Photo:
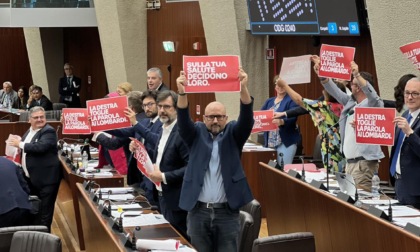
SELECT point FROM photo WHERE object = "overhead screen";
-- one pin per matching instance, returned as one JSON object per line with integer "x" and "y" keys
{"x": 304, "y": 17}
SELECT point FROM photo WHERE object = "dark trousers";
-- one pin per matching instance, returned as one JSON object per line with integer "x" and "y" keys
{"x": 404, "y": 196}
{"x": 47, "y": 194}
{"x": 15, "y": 217}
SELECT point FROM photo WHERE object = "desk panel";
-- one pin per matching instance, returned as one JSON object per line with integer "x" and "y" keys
{"x": 100, "y": 237}
{"x": 295, "y": 206}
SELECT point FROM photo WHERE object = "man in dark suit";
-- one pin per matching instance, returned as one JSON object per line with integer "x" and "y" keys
{"x": 14, "y": 195}
{"x": 154, "y": 80}
{"x": 405, "y": 155}
{"x": 8, "y": 96}
{"x": 69, "y": 88}
{"x": 39, "y": 99}
{"x": 215, "y": 186}
{"x": 40, "y": 162}
{"x": 170, "y": 161}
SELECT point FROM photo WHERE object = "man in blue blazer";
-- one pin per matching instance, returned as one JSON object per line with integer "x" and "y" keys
{"x": 40, "y": 162}
{"x": 14, "y": 195}
{"x": 215, "y": 186}
{"x": 170, "y": 161}
{"x": 405, "y": 155}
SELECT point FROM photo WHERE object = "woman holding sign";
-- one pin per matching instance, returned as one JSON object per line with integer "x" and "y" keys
{"x": 285, "y": 139}
{"x": 325, "y": 115}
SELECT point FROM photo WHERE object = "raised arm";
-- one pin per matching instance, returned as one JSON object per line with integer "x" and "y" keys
{"x": 296, "y": 97}
{"x": 243, "y": 78}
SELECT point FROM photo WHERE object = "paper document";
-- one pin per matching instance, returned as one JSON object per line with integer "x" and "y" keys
{"x": 116, "y": 190}
{"x": 126, "y": 206}
{"x": 144, "y": 220}
{"x": 118, "y": 197}
{"x": 400, "y": 211}
{"x": 378, "y": 202}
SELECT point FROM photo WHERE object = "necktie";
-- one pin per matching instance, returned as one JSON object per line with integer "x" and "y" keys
{"x": 398, "y": 148}
{"x": 150, "y": 124}
{"x": 69, "y": 81}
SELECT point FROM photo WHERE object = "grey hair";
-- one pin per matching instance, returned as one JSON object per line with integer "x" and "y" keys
{"x": 36, "y": 109}
{"x": 155, "y": 70}
{"x": 8, "y": 83}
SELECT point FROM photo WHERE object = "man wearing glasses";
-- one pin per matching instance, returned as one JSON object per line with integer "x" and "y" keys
{"x": 170, "y": 160}
{"x": 215, "y": 186}
{"x": 40, "y": 162}
{"x": 39, "y": 99}
{"x": 362, "y": 159}
{"x": 69, "y": 88}
{"x": 405, "y": 155}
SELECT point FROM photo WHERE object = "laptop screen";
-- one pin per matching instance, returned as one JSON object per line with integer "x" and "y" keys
{"x": 346, "y": 183}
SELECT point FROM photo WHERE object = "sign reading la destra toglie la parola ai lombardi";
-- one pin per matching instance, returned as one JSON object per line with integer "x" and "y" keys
{"x": 374, "y": 125}
{"x": 208, "y": 74}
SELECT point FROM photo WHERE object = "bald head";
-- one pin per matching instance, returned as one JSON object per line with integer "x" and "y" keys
{"x": 215, "y": 117}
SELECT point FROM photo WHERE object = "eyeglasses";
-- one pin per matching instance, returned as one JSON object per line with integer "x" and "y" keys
{"x": 210, "y": 118}
{"x": 413, "y": 94}
{"x": 38, "y": 117}
{"x": 165, "y": 107}
{"x": 149, "y": 105}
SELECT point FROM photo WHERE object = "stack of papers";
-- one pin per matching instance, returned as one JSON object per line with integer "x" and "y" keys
{"x": 116, "y": 190}
{"x": 144, "y": 220}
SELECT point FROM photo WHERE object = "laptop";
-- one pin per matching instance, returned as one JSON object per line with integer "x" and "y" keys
{"x": 346, "y": 183}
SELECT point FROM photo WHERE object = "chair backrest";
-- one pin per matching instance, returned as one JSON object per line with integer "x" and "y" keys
{"x": 246, "y": 224}
{"x": 301, "y": 241}
{"x": 59, "y": 106}
{"x": 317, "y": 155}
{"x": 6, "y": 234}
{"x": 33, "y": 241}
{"x": 254, "y": 209}
{"x": 24, "y": 116}
{"x": 53, "y": 115}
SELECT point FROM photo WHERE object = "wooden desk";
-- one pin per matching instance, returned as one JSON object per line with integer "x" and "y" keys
{"x": 294, "y": 206}
{"x": 5, "y": 114}
{"x": 250, "y": 161}
{"x": 67, "y": 198}
{"x": 100, "y": 237}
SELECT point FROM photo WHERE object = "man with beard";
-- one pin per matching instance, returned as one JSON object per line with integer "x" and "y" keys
{"x": 170, "y": 160}
{"x": 215, "y": 186}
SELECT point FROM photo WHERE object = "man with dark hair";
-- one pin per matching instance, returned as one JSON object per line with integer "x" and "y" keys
{"x": 69, "y": 88}
{"x": 215, "y": 185}
{"x": 170, "y": 161}
{"x": 362, "y": 159}
{"x": 40, "y": 162}
{"x": 39, "y": 99}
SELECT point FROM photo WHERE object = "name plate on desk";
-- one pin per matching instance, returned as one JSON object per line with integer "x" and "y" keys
{"x": 378, "y": 213}
{"x": 318, "y": 184}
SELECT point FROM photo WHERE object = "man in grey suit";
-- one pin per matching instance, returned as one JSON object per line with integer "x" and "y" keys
{"x": 8, "y": 95}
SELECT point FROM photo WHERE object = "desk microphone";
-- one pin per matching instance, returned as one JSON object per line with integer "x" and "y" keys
{"x": 281, "y": 161}
{"x": 327, "y": 144}
{"x": 86, "y": 148}
{"x": 389, "y": 205}
{"x": 303, "y": 169}
{"x": 356, "y": 202}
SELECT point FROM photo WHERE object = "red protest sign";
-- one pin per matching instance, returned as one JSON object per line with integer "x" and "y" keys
{"x": 75, "y": 121}
{"x": 207, "y": 74}
{"x": 335, "y": 61}
{"x": 144, "y": 164}
{"x": 296, "y": 70}
{"x": 412, "y": 52}
{"x": 263, "y": 121}
{"x": 108, "y": 113}
{"x": 374, "y": 125}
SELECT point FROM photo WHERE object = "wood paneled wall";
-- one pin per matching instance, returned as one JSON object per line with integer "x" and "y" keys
{"x": 182, "y": 24}
{"x": 14, "y": 62}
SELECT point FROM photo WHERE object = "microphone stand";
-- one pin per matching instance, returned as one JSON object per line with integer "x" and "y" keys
{"x": 281, "y": 161}
{"x": 389, "y": 205}
{"x": 303, "y": 169}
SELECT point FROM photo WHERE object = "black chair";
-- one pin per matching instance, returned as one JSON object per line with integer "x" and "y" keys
{"x": 254, "y": 209}
{"x": 246, "y": 229}
{"x": 6, "y": 234}
{"x": 59, "y": 106}
{"x": 301, "y": 241}
{"x": 33, "y": 241}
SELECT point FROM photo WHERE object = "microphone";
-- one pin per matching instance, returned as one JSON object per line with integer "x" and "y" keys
{"x": 389, "y": 205}
{"x": 96, "y": 195}
{"x": 303, "y": 169}
{"x": 86, "y": 148}
{"x": 281, "y": 161}
{"x": 327, "y": 140}
{"x": 58, "y": 129}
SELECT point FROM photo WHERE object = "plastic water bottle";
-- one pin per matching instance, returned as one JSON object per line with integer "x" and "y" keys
{"x": 84, "y": 161}
{"x": 375, "y": 186}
